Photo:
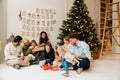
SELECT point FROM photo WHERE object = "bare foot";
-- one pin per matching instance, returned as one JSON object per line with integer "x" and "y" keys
{"x": 70, "y": 68}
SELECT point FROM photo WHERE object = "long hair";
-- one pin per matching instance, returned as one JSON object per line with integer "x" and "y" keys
{"x": 41, "y": 40}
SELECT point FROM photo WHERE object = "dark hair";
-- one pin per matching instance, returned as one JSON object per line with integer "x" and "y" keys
{"x": 17, "y": 39}
{"x": 41, "y": 40}
{"x": 49, "y": 44}
{"x": 73, "y": 35}
{"x": 33, "y": 41}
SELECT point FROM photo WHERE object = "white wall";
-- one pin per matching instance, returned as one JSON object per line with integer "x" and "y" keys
{"x": 69, "y": 3}
{"x": 3, "y": 27}
{"x": 0, "y": 27}
{"x": 94, "y": 9}
{"x": 15, "y": 26}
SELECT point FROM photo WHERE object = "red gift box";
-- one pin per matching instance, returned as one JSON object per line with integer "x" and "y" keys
{"x": 54, "y": 68}
{"x": 46, "y": 67}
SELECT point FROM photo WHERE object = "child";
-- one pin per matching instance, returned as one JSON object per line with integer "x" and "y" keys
{"x": 26, "y": 44}
{"x": 67, "y": 45}
{"x": 49, "y": 54}
{"x": 36, "y": 51}
{"x": 28, "y": 57}
{"x": 68, "y": 60}
{"x": 57, "y": 61}
{"x": 35, "y": 47}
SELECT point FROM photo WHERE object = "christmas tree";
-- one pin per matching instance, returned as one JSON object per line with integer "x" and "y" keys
{"x": 78, "y": 21}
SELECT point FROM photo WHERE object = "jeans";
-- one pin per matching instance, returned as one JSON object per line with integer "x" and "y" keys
{"x": 48, "y": 61}
{"x": 66, "y": 64}
{"x": 39, "y": 55}
{"x": 84, "y": 63}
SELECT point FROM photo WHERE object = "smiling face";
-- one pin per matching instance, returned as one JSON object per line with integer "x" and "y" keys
{"x": 47, "y": 48}
{"x": 27, "y": 43}
{"x": 17, "y": 43}
{"x": 73, "y": 41}
{"x": 33, "y": 44}
{"x": 43, "y": 35}
{"x": 73, "y": 38}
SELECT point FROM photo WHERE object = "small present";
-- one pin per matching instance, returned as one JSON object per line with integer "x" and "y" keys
{"x": 54, "y": 68}
{"x": 46, "y": 67}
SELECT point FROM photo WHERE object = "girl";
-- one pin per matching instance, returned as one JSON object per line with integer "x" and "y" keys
{"x": 67, "y": 45}
{"x": 37, "y": 52}
{"x": 57, "y": 61}
{"x": 49, "y": 54}
{"x": 68, "y": 60}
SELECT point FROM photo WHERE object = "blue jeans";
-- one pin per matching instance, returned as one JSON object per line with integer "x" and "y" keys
{"x": 84, "y": 63}
{"x": 66, "y": 64}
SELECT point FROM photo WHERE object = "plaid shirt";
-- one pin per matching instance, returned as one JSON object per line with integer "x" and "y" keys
{"x": 82, "y": 49}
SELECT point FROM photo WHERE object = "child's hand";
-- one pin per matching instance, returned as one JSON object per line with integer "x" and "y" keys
{"x": 48, "y": 64}
{"x": 31, "y": 47}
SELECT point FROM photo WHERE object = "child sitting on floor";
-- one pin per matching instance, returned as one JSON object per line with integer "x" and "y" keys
{"x": 57, "y": 61}
{"x": 68, "y": 60}
{"x": 49, "y": 54}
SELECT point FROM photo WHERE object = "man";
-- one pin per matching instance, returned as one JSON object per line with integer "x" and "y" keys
{"x": 14, "y": 55}
{"x": 81, "y": 51}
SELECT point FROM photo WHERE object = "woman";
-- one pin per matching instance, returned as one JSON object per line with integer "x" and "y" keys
{"x": 43, "y": 38}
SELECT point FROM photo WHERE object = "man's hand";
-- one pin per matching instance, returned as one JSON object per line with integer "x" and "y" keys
{"x": 78, "y": 63}
{"x": 76, "y": 56}
{"x": 79, "y": 57}
{"x": 22, "y": 57}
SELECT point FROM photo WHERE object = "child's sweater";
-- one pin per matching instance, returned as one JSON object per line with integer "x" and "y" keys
{"x": 49, "y": 55}
{"x": 69, "y": 57}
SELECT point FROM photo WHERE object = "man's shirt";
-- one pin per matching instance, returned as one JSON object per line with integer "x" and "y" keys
{"x": 82, "y": 49}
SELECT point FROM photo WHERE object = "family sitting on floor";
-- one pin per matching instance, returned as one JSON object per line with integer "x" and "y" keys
{"x": 73, "y": 55}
